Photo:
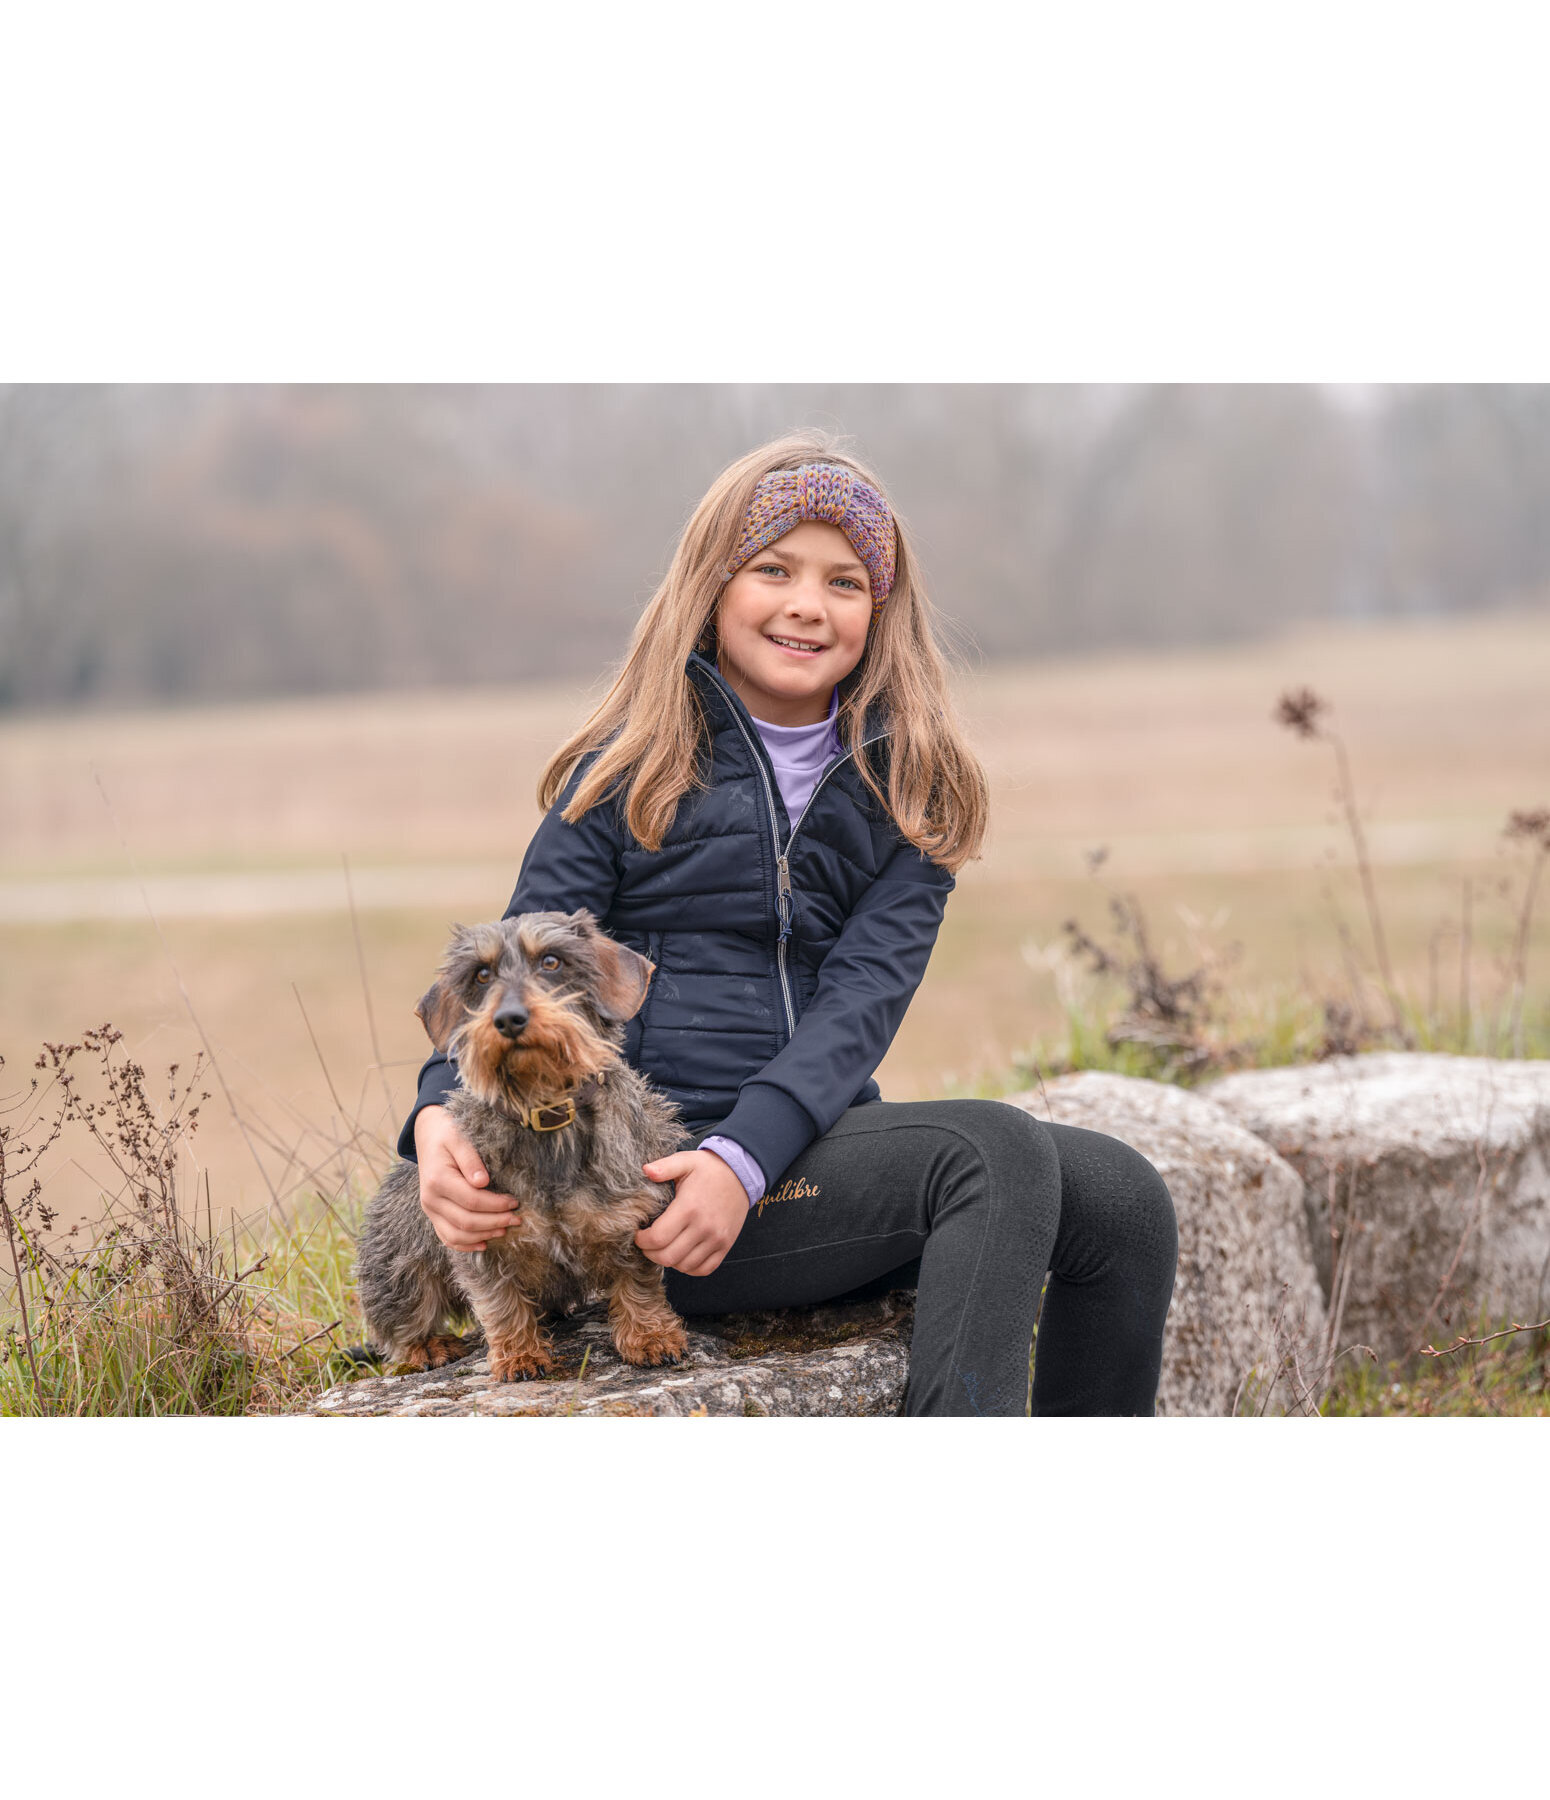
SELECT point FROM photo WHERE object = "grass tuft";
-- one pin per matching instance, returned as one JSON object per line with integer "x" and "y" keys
{"x": 1508, "y": 1378}
{"x": 156, "y": 1313}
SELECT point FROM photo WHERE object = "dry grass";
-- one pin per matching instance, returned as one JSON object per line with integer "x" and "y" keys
{"x": 152, "y": 1310}
{"x": 1508, "y": 1377}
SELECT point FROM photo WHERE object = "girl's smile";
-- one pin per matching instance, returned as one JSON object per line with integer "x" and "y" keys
{"x": 792, "y": 622}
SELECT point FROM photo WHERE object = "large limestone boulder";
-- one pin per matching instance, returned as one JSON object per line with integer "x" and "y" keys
{"x": 1246, "y": 1324}
{"x": 844, "y": 1361}
{"x": 1430, "y": 1171}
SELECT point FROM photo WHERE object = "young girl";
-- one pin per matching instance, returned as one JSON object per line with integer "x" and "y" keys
{"x": 770, "y": 804}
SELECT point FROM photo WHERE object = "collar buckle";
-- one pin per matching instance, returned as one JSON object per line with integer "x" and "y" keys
{"x": 537, "y": 1118}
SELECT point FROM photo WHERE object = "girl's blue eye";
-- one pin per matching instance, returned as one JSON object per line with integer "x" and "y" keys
{"x": 849, "y": 582}
{"x": 769, "y": 569}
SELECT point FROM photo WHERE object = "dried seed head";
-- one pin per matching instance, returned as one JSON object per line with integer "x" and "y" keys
{"x": 1534, "y": 824}
{"x": 1299, "y": 710}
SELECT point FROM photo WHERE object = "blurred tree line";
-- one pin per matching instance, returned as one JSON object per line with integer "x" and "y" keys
{"x": 191, "y": 543}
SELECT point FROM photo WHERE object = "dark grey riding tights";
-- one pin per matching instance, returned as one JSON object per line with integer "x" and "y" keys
{"x": 971, "y": 1202}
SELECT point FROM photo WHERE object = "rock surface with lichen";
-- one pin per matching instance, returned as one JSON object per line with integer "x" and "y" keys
{"x": 831, "y": 1361}
{"x": 1427, "y": 1185}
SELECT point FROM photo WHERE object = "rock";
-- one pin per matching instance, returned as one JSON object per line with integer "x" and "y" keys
{"x": 1243, "y": 1246}
{"x": 1428, "y": 1164}
{"x": 838, "y": 1361}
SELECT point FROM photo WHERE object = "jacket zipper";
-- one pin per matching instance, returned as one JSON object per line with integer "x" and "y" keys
{"x": 782, "y": 879}
{"x": 784, "y": 871}
{"x": 782, "y": 865}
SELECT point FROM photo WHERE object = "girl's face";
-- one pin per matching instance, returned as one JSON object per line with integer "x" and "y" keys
{"x": 792, "y": 622}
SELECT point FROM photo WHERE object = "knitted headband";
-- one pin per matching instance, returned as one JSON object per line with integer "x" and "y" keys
{"x": 834, "y": 495}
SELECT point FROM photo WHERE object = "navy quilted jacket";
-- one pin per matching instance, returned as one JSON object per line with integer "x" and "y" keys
{"x": 786, "y": 950}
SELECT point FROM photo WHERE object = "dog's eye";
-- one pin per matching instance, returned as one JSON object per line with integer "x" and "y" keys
{"x": 549, "y": 963}
{"x": 482, "y": 977}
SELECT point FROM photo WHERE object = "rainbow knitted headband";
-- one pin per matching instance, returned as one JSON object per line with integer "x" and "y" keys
{"x": 837, "y": 496}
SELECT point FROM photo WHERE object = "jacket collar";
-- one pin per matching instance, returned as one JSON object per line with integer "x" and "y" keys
{"x": 715, "y": 686}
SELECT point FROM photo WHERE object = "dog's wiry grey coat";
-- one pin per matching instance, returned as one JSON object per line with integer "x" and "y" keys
{"x": 522, "y": 1033}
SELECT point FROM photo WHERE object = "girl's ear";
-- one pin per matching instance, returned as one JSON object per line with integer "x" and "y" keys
{"x": 623, "y": 977}
{"x": 440, "y": 1012}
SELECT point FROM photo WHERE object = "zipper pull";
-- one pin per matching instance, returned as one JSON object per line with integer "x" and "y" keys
{"x": 783, "y": 896}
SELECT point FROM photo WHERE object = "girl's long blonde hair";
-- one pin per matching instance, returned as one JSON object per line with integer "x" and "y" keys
{"x": 650, "y": 728}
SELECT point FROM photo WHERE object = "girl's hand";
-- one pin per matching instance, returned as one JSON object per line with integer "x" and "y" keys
{"x": 703, "y": 1218}
{"x": 455, "y": 1191}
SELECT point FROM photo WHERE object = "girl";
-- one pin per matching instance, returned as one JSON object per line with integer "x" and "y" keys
{"x": 770, "y": 804}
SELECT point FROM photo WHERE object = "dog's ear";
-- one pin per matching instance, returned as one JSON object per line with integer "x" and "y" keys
{"x": 623, "y": 977}
{"x": 440, "y": 1012}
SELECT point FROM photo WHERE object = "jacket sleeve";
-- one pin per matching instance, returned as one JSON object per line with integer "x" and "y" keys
{"x": 864, "y": 986}
{"x": 566, "y": 866}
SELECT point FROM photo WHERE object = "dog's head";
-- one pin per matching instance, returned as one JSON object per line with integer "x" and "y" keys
{"x": 530, "y": 1006}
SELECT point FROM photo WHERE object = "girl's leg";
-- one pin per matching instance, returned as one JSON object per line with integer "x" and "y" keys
{"x": 973, "y": 1189}
{"x": 1110, "y": 1281}
{"x": 1101, "y": 1327}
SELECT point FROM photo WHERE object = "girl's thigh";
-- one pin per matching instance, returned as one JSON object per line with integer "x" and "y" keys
{"x": 859, "y": 1204}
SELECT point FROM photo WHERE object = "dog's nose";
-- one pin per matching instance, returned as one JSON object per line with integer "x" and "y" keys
{"x": 511, "y": 1021}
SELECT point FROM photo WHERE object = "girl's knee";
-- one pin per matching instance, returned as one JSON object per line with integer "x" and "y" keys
{"x": 1151, "y": 1219}
{"x": 1114, "y": 1204}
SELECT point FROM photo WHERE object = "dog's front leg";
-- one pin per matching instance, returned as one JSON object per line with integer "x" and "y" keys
{"x": 519, "y": 1350}
{"x": 645, "y": 1328}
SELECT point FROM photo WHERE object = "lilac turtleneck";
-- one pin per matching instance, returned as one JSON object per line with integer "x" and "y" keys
{"x": 799, "y": 755}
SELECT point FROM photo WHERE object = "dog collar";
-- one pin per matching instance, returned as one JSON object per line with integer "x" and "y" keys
{"x": 555, "y": 1115}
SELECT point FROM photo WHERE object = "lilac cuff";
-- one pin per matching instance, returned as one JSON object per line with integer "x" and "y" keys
{"x": 740, "y": 1163}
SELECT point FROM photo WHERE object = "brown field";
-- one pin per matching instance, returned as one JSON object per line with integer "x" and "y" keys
{"x": 1217, "y": 819}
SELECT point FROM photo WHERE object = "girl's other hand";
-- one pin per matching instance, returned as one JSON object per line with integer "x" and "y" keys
{"x": 455, "y": 1191}
{"x": 703, "y": 1218}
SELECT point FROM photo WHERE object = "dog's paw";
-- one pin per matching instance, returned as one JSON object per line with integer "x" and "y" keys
{"x": 521, "y": 1365}
{"x": 435, "y": 1352}
{"x": 443, "y": 1350}
{"x": 649, "y": 1346}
